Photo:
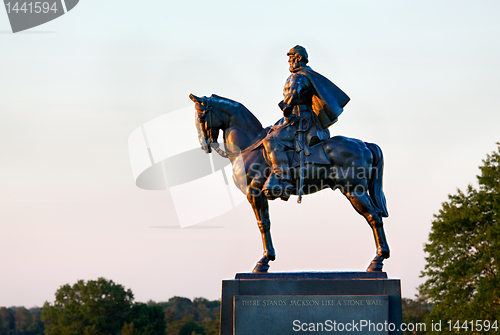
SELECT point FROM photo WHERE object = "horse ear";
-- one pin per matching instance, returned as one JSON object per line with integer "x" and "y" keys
{"x": 194, "y": 98}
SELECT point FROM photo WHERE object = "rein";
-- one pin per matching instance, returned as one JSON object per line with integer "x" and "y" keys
{"x": 215, "y": 145}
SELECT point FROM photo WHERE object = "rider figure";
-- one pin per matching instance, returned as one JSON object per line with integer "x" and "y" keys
{"x": 307, "y": 95}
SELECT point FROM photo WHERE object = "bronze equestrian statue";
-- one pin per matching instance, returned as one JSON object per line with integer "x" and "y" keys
{"x": 296, "y": 156}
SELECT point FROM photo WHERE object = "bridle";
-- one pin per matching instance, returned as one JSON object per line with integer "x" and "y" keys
{"x": 208, "y": 127}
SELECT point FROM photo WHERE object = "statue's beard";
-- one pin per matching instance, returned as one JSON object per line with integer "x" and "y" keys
{"x": 295, "y": 66}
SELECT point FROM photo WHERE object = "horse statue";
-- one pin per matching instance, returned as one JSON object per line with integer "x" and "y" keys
{"x": 350, "y": 165}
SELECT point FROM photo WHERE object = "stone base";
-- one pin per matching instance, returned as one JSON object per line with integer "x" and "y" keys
{"x": 318, "y": 302}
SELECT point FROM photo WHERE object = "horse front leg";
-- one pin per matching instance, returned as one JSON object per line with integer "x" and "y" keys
{"x": 261, "y": 210}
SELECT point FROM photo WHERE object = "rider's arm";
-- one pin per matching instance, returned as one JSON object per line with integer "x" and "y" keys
{"x": 295, "y": 93}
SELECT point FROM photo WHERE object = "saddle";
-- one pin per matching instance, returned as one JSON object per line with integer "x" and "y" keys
{"x": 317, "y": 156}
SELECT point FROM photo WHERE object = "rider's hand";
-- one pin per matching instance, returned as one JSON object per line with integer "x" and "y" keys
{"x": 291, "y": 118}
{"x": 282, "y": 105}
{"x": 286, "y": 108}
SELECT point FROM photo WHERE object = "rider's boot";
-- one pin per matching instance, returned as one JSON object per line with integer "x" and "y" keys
{"x": 279, "y": 183}
{"x": 277, "y": 187}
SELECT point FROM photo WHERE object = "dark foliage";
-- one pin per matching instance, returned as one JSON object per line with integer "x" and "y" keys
{"x": 463, "y": 259}
{"x": 414, "y": 314}
{"x": 20, "y": 321}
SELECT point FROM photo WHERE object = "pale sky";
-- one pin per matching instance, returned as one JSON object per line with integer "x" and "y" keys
{"x": 423, "y": 78}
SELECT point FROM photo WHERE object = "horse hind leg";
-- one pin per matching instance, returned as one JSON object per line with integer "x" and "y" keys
{"x": 261, "y": 209}
{"x": 363, "y": 204}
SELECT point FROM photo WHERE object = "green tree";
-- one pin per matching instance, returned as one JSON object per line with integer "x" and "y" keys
{"x": 20, "y": 321}
{"x": 462, "y": 267}
{"x": 147, "y": 319}
{"x": 184, "y": 316}
{"x": 191, "y": 328}
{"x": 7, "y": 321}
{"x": 129, "y": 329}
{"x": 36, "y": 325}
{"x": 27, "y": 322}
{"x": 94, "y": 307}
{"x": 212, "y": 326}
{"x": 414, "y": 313}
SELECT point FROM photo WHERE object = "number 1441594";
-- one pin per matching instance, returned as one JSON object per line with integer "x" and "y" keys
{"x": 31, "y": 7}
{"x": 477, "y": 325}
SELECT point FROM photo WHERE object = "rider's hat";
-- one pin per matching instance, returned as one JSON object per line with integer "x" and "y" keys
{"x": 299, "y": 50}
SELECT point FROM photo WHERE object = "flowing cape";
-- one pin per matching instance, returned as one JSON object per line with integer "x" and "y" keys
{"x": 328, "y": 100}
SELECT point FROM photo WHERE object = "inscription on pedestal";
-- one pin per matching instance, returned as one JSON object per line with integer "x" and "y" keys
{"x": 323, "y": 314}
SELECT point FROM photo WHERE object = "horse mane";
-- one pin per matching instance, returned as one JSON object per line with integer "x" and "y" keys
{"x": 225, "y": 104}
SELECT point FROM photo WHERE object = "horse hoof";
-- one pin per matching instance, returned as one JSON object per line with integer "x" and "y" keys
{"x": 260, "y": 268}
{"x": 263, "y": 265}
{"x": 375, "y": 267}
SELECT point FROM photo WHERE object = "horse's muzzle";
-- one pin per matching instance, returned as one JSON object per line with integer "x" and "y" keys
{"x": 207, "y": 148}
{"x": 206, "y": 145}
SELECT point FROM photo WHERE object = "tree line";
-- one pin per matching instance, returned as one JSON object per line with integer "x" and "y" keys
{"x": 102, "y": 307}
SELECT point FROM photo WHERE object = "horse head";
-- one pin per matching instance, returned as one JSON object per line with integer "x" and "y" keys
{"x": 208, "y": 123}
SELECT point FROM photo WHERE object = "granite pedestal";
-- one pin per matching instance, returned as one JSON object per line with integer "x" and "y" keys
{"x": 311, "y": 302}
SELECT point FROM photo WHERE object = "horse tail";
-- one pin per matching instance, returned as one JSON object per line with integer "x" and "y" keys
{"x": 375, "y": 182}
